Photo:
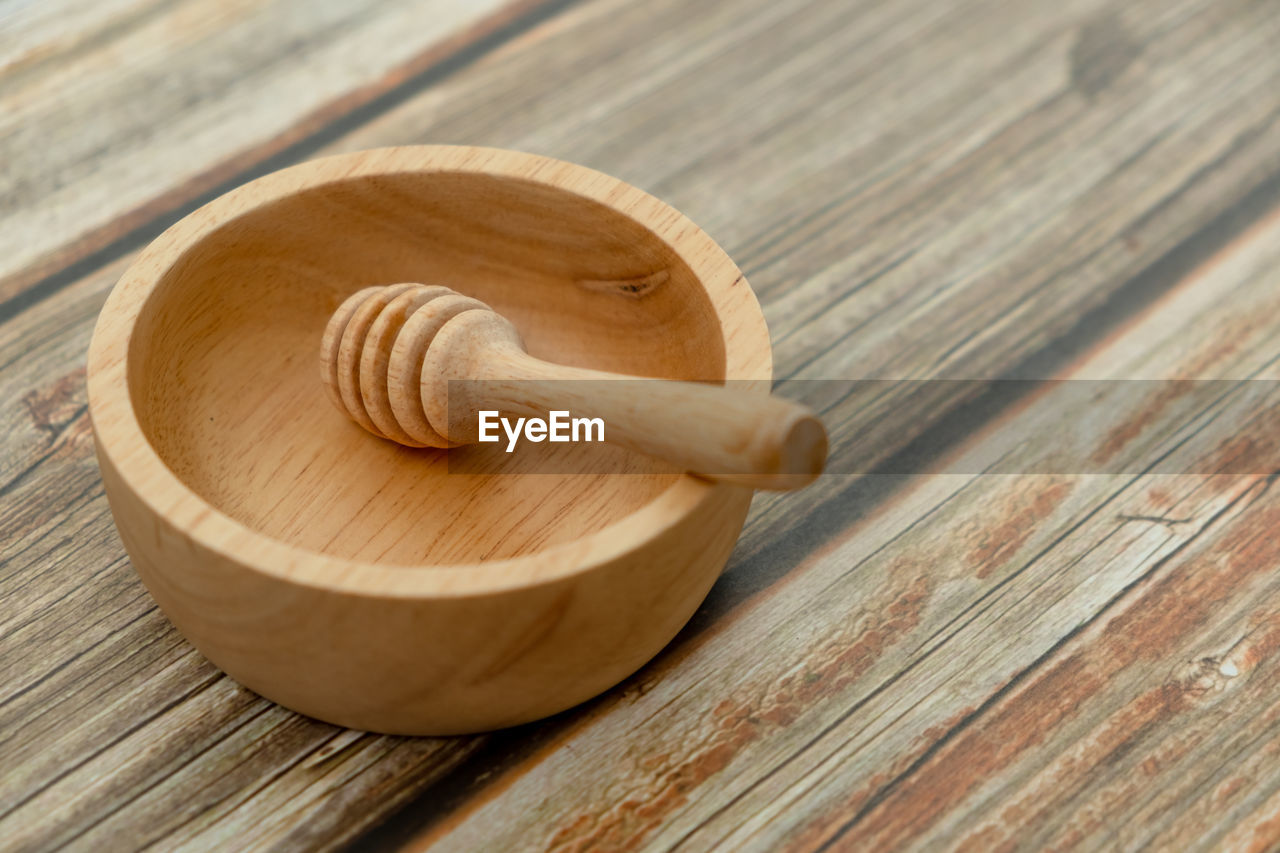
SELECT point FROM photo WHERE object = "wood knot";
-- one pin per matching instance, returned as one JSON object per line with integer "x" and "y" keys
{"x": 633, "y": 288}
{"x": 1103, "y": 50}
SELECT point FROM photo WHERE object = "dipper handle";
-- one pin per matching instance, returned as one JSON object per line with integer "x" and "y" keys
{"x": 744, "y": 437}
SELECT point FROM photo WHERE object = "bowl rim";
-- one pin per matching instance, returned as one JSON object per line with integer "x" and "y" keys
{"x": 122, "y": 443}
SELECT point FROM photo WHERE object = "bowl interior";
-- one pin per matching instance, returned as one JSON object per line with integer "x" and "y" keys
{"x": 224, "y": 375}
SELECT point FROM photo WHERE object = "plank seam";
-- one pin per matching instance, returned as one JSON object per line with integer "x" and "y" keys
{"x": 1248, "y": 497}
{"x": 330, "y": 132}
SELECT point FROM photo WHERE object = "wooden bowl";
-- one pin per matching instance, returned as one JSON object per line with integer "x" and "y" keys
{"x": 358, "y": 581}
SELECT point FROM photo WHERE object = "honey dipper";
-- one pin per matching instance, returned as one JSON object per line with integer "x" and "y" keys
{"x": 389, "y": 353}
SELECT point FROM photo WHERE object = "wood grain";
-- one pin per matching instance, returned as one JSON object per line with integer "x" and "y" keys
{"x": 916, "y": 190}
{"x": 347, "y": 578}
{"x": 113, "y": 113}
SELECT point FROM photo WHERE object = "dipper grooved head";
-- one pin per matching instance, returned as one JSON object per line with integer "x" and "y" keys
{"x": 372, "y": 355}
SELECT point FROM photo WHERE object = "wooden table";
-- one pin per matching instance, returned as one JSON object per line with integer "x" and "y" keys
{"x": 923, "y": 190}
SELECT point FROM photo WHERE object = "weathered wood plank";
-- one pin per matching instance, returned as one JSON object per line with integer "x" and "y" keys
{"x": 1125, "y": 539}
{"x": 99, "y": 695}
{"x": 922, "y": 256}
{"x": 868, "y": 171}
{"x": 114, "y": 113}
{"x": 1121, "y": 728}
{"x": 913, "y": 631}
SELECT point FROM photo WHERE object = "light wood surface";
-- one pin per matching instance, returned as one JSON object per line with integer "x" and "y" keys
{"x": 914, "y": 189}
{"x": 442, "y": 359}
